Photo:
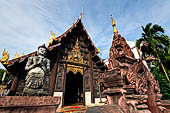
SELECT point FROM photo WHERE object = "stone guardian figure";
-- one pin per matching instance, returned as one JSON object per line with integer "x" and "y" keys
{"x": 37, "y": 67}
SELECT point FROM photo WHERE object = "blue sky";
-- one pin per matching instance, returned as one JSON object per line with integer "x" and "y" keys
{"x": 25, "y": 24}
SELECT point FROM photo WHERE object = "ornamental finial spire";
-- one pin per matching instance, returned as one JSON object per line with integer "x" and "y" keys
{"x": 77, "y": 43}
{"x": 53, "y": 35}
{"x": 16, "y": 55}
{"x": 4, "y": 59}
{"x": 81, "y": 13}
{"x": 114, "y": 25}
{"x": 73, "y": 20}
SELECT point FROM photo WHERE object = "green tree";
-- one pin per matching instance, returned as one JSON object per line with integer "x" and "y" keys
{"x": 155, "y": 39}
{"x": 155, "y": 43}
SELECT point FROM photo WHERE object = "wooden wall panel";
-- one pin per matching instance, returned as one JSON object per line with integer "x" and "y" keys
{"x": 60, "y": 74}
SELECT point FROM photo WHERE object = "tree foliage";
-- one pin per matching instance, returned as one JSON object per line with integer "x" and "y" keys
{"x": 155, "y": 43}
{"x": 164, "y": 84}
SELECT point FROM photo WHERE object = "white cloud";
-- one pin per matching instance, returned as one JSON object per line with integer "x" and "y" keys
{"x": 19, "y": 30}
{"x": 26, "y": 24}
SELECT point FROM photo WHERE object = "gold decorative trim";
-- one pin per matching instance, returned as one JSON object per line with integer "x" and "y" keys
{"x": 53, "y": 35}
{"x": 50, "y": 41}
{"x": 113, "y": 24}
{"x": 4, "y": 59}
{"x": 16, "y": 55}
{"x": 3, "y": 88}
{"x": 81, "y": 13}
{"x": 51, "y": 38}
{"x": 23, "y": 54}
{"x": 75, "y": 56}
{"x": 75, "y": 69}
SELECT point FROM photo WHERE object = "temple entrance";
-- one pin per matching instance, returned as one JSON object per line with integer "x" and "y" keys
{"x": 73, "y": 89}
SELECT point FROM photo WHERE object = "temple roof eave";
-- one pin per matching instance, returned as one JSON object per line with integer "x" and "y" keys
{"x": 22, "y": 58}
{"x": 87, "y": 35}
{"x": 56, "y": 43}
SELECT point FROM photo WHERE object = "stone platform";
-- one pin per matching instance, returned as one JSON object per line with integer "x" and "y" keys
{"x": 105, "y": 109}
{"x": 72, "y": 109}
{"x": 29, "y": 104}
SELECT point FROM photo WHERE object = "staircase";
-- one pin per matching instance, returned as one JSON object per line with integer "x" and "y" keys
{"x": 73, "y": 109}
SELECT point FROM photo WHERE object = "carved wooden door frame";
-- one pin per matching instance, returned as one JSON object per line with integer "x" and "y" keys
{"x": 64, "y": 80}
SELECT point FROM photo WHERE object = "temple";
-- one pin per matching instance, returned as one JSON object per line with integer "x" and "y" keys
{"x": 78, "y": 74}
{"x": 75, "y": 67}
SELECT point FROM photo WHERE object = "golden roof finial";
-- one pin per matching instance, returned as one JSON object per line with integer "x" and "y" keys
{"x": 77, "y": 44}
{"x": 81, "y": 14}
{"x": 53, "y": 35}
{"x": 4, "y": 59}
{"x": 98, "y": 50}
{"x": 73, "y": 20}
{"x": 50, "y": 41}
{"x": 77, "y": 41}
{"x": 23, "y": 54}
{"x": 16, "y": 55}
{"x": 51, "y": 38}
{"x": 113, "y": 24}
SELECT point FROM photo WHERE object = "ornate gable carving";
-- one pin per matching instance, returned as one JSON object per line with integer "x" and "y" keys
{"x": 75, "y": 56}
{"x": 119, "y": 48}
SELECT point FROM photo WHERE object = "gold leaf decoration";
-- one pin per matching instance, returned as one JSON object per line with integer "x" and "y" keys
{"x": 4, "y": 59}
{"x": 75, "y": 56}
{"x": 114, "y": 25}
{"x": 16, "y": 55}
{"x": 53, "y": 35}
{"x": 50, "y": 41}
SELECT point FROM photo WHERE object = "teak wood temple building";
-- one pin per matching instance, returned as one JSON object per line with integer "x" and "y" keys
{"x": 76, "y": 70}
{"x": 75, "y": 67}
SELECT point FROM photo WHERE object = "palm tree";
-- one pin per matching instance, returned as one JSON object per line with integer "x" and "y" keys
{"x": 154, "y": 43}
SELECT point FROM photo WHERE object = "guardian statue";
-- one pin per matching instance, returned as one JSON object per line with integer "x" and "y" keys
{"x": 37, "y": 67}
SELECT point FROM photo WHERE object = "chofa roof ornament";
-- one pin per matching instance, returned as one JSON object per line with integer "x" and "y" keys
{"x": 4, "y": 59}
{"x": 114, "y": 25}
{"x": 51, "y": 38}
{"x": 81, "y": 13}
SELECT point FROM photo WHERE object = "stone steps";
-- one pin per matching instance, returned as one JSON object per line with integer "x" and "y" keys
{"x": 73, "y": 109}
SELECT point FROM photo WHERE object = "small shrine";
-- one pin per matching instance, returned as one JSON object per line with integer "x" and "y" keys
{"x": 128, "y": 83}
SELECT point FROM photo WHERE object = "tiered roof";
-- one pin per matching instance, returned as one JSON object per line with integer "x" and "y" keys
{"x": 56, "y": 43}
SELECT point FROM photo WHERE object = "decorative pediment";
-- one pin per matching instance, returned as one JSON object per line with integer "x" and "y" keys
{"x": 75, "y": 69}
{"x": 75, "y": 56}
